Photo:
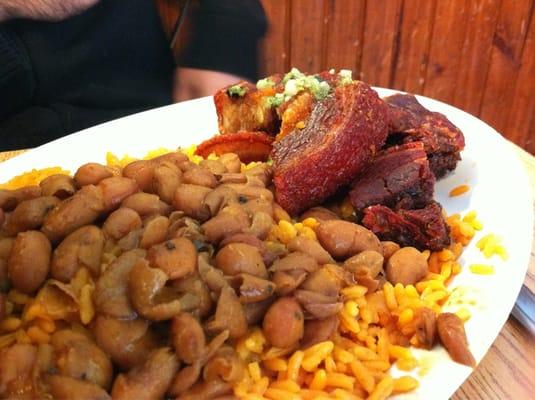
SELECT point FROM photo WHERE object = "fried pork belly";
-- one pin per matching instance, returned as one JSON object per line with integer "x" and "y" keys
{"x": 244, "y": 107}
{"x": 409, "y": 121}
{"x": 424, "y": 228}
{"x": 398, "y": 177}
{"x": 335, "y": 143}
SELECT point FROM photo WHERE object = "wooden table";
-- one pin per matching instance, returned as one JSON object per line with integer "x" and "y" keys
{"x": 508, "y": 369}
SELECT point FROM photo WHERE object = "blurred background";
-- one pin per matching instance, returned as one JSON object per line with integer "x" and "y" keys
{"x": 478, "y": 55}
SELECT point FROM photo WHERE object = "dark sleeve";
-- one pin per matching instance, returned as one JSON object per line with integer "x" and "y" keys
{"x": 226, "y": 35}
{"x": 16, "y": 78}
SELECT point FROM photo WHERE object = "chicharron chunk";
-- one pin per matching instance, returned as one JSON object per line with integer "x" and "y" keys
{"x": 409, "y": 121}
{"x": 424, "y": 228}
{"x": 340, "y": 137}
{"x": 399, "y": 177}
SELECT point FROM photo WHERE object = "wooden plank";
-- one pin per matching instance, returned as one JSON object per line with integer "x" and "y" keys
{"x": 520, "y": 126}
{"x": 472, "y": 70}
{"x": 445, "y": 51}
{"x": 275, "y": 46}
{"x": 415, "y": 37}
{"x": 345, "y": 25}
{"x": 380, "y": 47}
{"x": 505, "y": 61}
{"x": 307, "y": 23}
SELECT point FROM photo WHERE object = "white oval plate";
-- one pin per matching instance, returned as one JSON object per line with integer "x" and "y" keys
{"x": 500, "y": 194}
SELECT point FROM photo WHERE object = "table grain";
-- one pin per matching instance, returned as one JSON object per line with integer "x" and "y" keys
{"x": 508, "y": 369}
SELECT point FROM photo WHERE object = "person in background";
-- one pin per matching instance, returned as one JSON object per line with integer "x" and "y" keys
{"x": 69, "y": 64}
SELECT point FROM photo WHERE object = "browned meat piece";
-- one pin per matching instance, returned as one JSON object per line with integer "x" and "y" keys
{"x": 409, "y": 121}
{"x": 398, "y": 177}
{"x": 424, "y": 228}
{"x": 340, "y": 137}
{"x": 243, "y": 107}
{"x": 249, "y": 146}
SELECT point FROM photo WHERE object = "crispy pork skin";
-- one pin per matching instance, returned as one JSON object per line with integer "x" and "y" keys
{"x": 249, "y": 146}
{"x": 424, "y": 228}
{"x": 341, "y": 136}
{"x": 398, "y": 177}
{"x": 409, "y": 121}
{"x": 248, "y": 112}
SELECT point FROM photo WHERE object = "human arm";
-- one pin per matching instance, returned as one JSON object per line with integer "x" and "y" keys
{"x": 45, "y": 10}
{"x": 191, "y": 83}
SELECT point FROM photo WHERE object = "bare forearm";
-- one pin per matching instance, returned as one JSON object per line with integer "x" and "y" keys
{"x": 46, "y": 10}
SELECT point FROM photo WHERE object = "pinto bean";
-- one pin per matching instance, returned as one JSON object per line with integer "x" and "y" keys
{"x": 115, "y": 190}
{"x": 141, "y": 171}
{"x": 9, "y": 199}
{"x": 216, "y": 167}
{"x": 219, "y": 198}
{"x": 311, "y": 247}
{"x": 318, "y": 305}
{"x": 389, "y": 248}
{"x": 425, "y": 326}
{"x": 226, "y": 364}
{"x": 81, "y": 209}
{"x": 190, "y": 199}
{"x": 166, "y": 178}
{"x": 254, "y": 206}
{"x": 406, "y": 266}
{"x": 16, "y": 365}
{"x": 452, "y": 335}
{"x": 4, "y": 281}
{"x": 283, "y": 324}
{"x": 367, "y": 260}
{"x": 232, "y": 178}
{"x": 58, "y": 185}
{"x": 231, "y": 161}
{"x": 146, "y": 285}
{"x": 261, "y": 225}
{"x": 149, "y": 381}
{"x": 121, "y": 222}
{"x": 91, "y": 174}
{"x": 111, "y": 289}
{"x": 188, "y": 338}
{"x": 324, "y": 282}
{"x": 30, "y": 214}
{"x": 185, "y": 379}
{"x": 128, "y": 342}
{"x": 259, "y": 175}
{"x": 320, "y": 214}
{"x": 208, "y": 389}
{"x": 154, "y": 232}
{"x": 344, "y": 239}
{"x": 131, "y": 240}
{"x": 176, "y": 257}
{"x": 6, "y": 244}
{"x": 295, "y": 260}
{"x": 254, "y": 312}
{"x": 194, "y": 285}
{"x": 29, "y": 261}
{"x": 236, "y": 258}
{"x": 287, "y": 281}
{"x": 229, "y": 221}
{"x": 2, "y": 218}
{"x": 251, "y": 192}
{"x": 200, "y": 176}
{"x": 81, "y": 249}
{"x": 319, "y": 330}
{"x": 64, "y": 387}
{"x": 229, "y": 315}
{"x": 146, "y": 204}
{"x": 253, "y": 289}
{"x": 82, "y": 358}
